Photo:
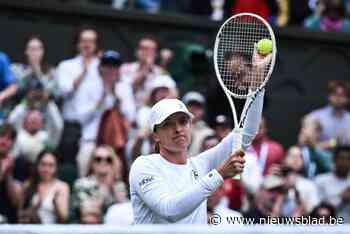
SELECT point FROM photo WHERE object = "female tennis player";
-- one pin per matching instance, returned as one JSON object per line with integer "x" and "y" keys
{"x": 169, "y": 187}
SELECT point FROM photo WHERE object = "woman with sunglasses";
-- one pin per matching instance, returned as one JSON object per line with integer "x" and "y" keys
{"x": 46, "y": 198}
{"x": 103, "y": 183}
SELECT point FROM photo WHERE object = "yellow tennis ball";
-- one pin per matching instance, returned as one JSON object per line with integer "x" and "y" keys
{"x": 264, "y": 46}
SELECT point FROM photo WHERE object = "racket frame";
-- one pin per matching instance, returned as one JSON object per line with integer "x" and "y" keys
{"x": 238, "y": 128}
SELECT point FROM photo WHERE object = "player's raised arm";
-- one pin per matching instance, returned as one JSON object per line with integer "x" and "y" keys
{"x": 215, "y": 156}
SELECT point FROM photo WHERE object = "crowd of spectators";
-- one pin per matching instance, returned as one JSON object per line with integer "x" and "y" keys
{"x": 69, "y": 134}
{"x": 324, "y": 15}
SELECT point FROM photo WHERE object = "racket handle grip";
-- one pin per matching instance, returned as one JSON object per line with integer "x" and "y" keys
{"x": 237, "y": 144}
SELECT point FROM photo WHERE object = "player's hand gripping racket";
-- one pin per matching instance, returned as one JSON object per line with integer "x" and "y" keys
{"x": 241, "y": 71}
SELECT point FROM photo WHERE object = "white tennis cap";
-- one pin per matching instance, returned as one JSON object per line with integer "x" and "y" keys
{"x": 163, "y": 109}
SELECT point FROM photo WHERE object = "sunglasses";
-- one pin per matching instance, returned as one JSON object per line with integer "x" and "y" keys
{"x": 108, "y": 160}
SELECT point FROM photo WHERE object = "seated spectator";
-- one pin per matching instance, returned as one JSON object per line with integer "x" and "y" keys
{"x": 267, "y": 200}
{"x": 324, "y": 211}
{"x": 332, "y": 18}
{"x": 334, "y": 118}
{"x": 32, "y": 138}
{"x": 8, "y": 86}
{"x": 293, "y": 168}
{"x": 103, "y": 183}
{"x": 10, "y": 189}
{"x": 316, "y": 160}
{"x": 45, "y": 196}
{"x": 35, "y": 67}
{"x": 195, "y": 103}
{"x": 37, "y": 99}
{"x": 269, "y": 153}
{"x": 332, "y": 186}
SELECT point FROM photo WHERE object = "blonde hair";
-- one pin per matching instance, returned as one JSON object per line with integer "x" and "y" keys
{"x": 117, "y": 167}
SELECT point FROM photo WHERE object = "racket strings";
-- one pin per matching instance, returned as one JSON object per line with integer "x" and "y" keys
{"x": 235, "y": 55}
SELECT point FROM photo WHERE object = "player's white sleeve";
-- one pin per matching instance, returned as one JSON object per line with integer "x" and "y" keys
{"x": 151, "y": 186}
{"x": 253, "y": 119}
{"x": 213, "y": 157}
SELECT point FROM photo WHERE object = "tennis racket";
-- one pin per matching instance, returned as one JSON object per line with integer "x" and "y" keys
{"x": 241, "y": 71}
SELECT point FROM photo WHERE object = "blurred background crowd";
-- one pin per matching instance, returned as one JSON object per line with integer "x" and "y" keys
{"x": 325, "y": 15}
{"x": 70, "y": 132}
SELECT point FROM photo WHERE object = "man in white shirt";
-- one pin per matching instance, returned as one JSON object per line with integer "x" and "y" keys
{"x": 142, "y": 73}
{"x": 169, "y": 187}
{"x": 78, "y": 77}
{"x": 77, "y": 80}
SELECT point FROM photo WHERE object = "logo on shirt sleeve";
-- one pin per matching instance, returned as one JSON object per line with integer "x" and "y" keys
{"x": 145, "y": 181}
{"x": 195, "y": 174}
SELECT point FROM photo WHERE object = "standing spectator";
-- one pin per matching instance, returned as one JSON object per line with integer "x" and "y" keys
{"x": 269, "y": 153}
{"x": 103, "y": 184}
{"x": 37, "y": 99}
{"x": 144, "y": 71}
{"x": 334, "y": 118}
{"x": 44, "y": 194}
{"x": 10, "y": 190}
{"x": 333, "y": 185}
{"x": 78, "y": 80}
{"x": 103, "y": 104}
{"x": 331, "y": 18}
{"x": 35, "y": 67}
{"x": 8, "y": 86}
{"x": 113, "y": 125}
{"x": 195, "y": 103}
